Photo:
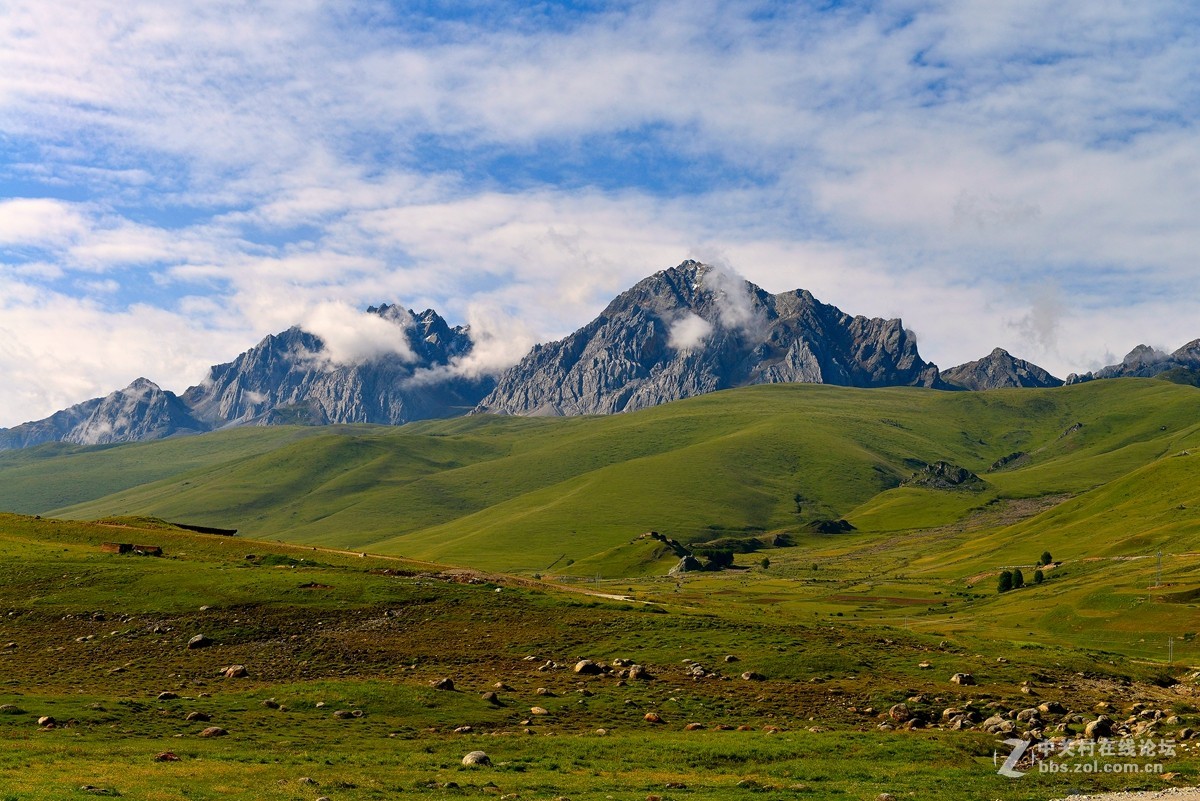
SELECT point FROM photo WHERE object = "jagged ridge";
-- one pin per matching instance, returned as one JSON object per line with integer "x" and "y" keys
{"x": 694, "y": 329}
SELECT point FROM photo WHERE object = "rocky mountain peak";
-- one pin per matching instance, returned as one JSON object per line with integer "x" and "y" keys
{"x": 696, "y": 328}
{"x": 998, "y": 370}
{"x": 1145, "y": 361}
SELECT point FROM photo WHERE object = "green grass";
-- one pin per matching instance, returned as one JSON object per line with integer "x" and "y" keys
{"x": 519, "y": 494}
{"x": 96, "y": 637}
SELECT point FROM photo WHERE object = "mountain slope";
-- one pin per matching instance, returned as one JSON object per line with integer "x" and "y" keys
{"x": 524, "y": 493}
{"x": 291, "y": 377}
{"x": 999, "y": 370}
{"x": 140, "y": 411}
{"x": 1146, "y": 362}
{"x": 695, "y": 329}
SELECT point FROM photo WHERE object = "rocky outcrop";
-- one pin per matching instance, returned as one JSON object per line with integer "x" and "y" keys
{"x": 695, "y": 329}
{"x": 1146, "y": 362}
{"x": 999, "y": 370}
{"x": 140, "y": 411}
{"x": 945, "y": 476}
{"x": 288, "y": 378}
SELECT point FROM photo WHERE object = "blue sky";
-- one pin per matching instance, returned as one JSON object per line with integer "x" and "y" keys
{"x": 179, "y": 179}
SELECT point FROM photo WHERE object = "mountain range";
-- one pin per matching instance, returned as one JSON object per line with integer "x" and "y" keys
{"x": 682, "y": 332}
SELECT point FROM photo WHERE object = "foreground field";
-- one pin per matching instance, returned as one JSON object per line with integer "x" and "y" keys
{"x": 93, "y": 639}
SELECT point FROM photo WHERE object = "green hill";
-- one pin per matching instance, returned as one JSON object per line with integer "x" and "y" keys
{"x": 534, "y": 494}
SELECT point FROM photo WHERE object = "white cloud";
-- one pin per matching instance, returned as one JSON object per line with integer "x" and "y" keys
{"x": 354, "y": 337}
{"x": 689, "y": 332}
{"x": 39, "y": 221}
{"x": 259, "y": 166}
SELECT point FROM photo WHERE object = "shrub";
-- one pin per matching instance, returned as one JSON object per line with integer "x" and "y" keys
{"x": 1046, "y": 558}
{"x": 1018, "y": 578}
{"x": 1006, "y": 581}
{"x": 1038, "y": 577}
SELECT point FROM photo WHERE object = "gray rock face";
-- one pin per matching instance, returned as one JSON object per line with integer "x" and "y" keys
{"x": 1146, "y": 362}
{"x": 140, "y": 411}
{"x": 695, "y": 329}
{"x": 999, "y": 370}
{"x": 286, "y": 379}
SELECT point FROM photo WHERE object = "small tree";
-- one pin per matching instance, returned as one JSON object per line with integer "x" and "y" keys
{"x": 1018, "y": 578}
{"x": 1038, "y": 577}
{"x": 1006, "y": 581}
{"x": 765, "y": 563}
{"x": 1046, "y": 558}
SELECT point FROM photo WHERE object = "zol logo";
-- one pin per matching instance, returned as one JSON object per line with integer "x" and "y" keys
{"x": 1009, "y": 767}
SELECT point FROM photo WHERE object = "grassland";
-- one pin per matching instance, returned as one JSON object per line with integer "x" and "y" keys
{"x": 92, "y": 639}
{"x": 335, "y": 593}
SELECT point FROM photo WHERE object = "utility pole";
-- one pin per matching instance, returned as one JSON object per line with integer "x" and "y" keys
{"x": 1170, "y": 650}
{"x": 1158, "y": 581}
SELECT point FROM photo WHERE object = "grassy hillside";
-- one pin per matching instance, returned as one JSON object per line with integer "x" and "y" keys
{"x": 539, "y": 494}
{"x": 341, "y": 653}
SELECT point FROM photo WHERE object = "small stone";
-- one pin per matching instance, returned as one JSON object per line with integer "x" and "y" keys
{"x": 47, "y": 720}
{"x": 477, "y": 758}
{"x": 166, "y": 756}
{"x": 199, "y": 641}
{"x": 235, "y": 672}
{"x": 751, "y": 675}
{"x": 443, "y": 684}
{"x": 963, "y": 679}
{"x": 213, "y": 731}
{"x": 197, "y": 716}
{"x": 730, "y": 658}
{"x": 693, "y": 727}
{"x": 652, "y": 717}
{"x": 538, "y": 710}
{"x": 271, "y": 703}
{"x": 491, "y": 698}
{"x": 586, "y": 667}
{"x": 463, "y": 730}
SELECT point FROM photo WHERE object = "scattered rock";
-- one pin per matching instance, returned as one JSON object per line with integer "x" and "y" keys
{"x": 1099, "y": 728}
{"x": 751, "y": 675}
{"x": 544, "y": 691}
{"x": 202, "y": 717}
{"x": 213, "y": 731}
{"x": 652, "y": 717}
{"x": 477, "y": 758}
{"x": 900, "y": 713}
{"x": 167, "y": 696}
{"x": 963, "y": 679}
{"x": 491, "y": 698}
{"x": 463, "y": 730}
{"x": 199, "y": 641}
{"x": 693, "y": 727}
{"x": 47, "y": 720}
{"x": 11, "y": 709}
{"x": 166, "y": 756}
{"x": 586, "y": 667}
{"x": 730, "y": 658}
{"x": 443, "y": 684}
{"x": 271, "y": 703}
{"x": 538, "y": 710}
{"x": 926, "y": 665}
{"x": 235, "y": 672}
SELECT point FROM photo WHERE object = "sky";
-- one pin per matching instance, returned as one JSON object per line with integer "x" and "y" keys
{"x": 179, "y": 179}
